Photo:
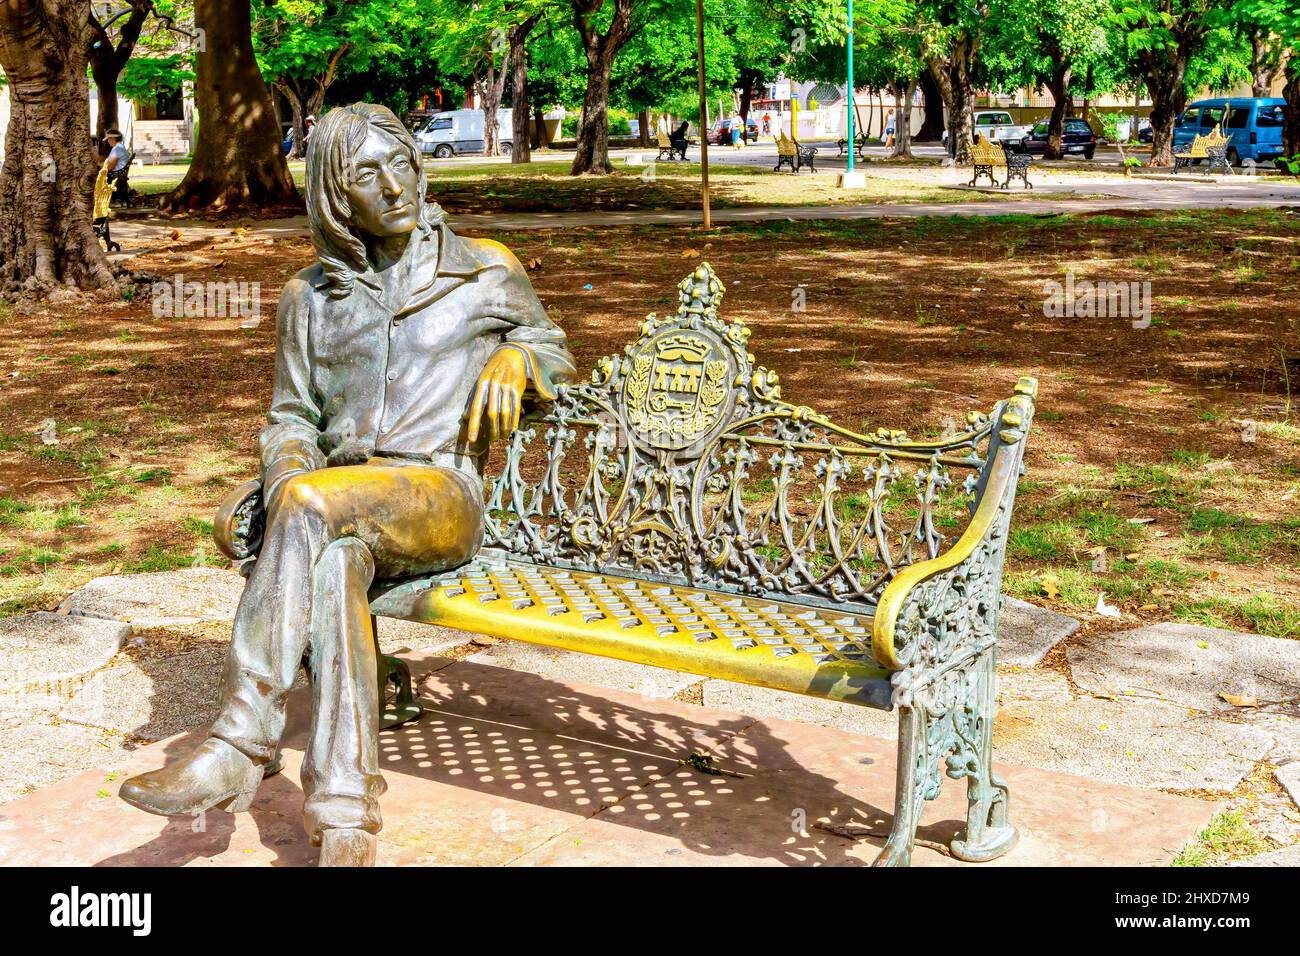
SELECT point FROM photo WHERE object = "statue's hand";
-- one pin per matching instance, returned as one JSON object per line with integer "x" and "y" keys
{"x": 499, "y": 394}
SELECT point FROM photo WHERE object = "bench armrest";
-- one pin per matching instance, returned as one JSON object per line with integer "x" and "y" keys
{"x": 996, "y": 497}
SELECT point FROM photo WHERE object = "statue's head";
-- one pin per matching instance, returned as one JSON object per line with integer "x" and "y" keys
{"x": 365, "y": 181}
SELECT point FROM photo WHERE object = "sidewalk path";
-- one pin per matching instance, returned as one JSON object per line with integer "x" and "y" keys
{"x": 1136, "y": 194}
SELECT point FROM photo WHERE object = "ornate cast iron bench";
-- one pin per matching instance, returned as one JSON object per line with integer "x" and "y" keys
{"x": 674, "y": 510}
{"x": 1212, "y": 147}
{"x": 790, "y": 153}
{"x": 987, "y": 156}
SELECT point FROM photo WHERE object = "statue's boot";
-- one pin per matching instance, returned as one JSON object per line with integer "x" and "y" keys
{"x": 347, "y": 847}
{"x": 215, "y": 774}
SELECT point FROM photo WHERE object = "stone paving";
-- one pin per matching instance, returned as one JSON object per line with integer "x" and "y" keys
{"x": 130, "y": 660}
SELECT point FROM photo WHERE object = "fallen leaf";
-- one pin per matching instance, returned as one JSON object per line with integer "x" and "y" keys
{"x": 1149, "y": 607}
{"x": 534, "y": 264}
{"x": 176, "y": 233}
{"x": 1132, "y": 557}
{"x": 1140, "y": 520}
{"x": 1203, "y": 645}
{"x": 1239, "y": 700}
{"x": 689, "y": 253}
{"x": 1051, "y": 586}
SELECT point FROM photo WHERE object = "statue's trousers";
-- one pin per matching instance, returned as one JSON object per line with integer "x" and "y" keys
{"x": 331, "y": 533}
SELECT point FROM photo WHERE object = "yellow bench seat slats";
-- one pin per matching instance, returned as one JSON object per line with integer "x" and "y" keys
{"x": 810, "y": 650}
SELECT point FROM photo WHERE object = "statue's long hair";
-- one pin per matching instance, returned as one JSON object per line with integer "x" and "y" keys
{"x": 330, "y": 152}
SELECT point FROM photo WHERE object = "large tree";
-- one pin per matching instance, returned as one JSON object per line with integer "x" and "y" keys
{"x": 601, "y": 42}
{"x": 1163, "y": 41}
{"x": 47, "y": 245}
{"x": 1280, "y": 21}
{"x": 953, "y": 34}
{"x": 303, "y": 45}
{"x": 238, "y": 161}
{"x": 112, "y": 41}
{"x": 1049, "y": 44}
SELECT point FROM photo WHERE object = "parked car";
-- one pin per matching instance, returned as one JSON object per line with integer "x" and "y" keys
{"x": 997, "y": 127}
{"x": 1254, "y": 125}
{"x": 461, "y": 131}
{"x": 720, "y": 131}
{"x": 1076, "y": 137}
{"x": 1146, "y": 133}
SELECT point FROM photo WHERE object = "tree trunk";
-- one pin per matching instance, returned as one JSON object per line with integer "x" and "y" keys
{"x": 540, "y": 139}
{"x": 239, "y": 160}
{"x": 952, "y": 75}
{"x": 1291, "y": 111}
{"x": 1059, "y": 85}
{"x": 47, "y": 245}
{"x": 1263, "y": 63}
{"x": 592, "y": 154}
{"x": 297, "y": 119}
{"x": 932, "y": 124}
{"x": 107, "y": 62}
{"x": 519, "y": 116}
{"x": 903, "y": 120}
{"x": 1165, "y": 86}
{"x": 493, "y": 89}
{"x": 105, "y": 75}
{"x": 643, "y": 128}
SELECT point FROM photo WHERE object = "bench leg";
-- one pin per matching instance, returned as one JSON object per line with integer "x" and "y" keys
{"x": 397, "y": 701}
{"x": 988, "y": 833}
{"x": 909, "y": 794}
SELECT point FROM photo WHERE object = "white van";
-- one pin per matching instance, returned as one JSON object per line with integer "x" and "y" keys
{"x": 461, "y": 131}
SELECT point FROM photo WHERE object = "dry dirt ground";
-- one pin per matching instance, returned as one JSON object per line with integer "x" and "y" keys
{"x": 120, "y": 431}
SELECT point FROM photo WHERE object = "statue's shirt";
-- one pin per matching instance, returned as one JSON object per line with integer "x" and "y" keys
{"x": 368, "y": 374}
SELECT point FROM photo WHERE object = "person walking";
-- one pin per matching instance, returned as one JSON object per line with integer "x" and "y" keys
{"x": 889, "y": 130}
{"x": 737, "y": 124}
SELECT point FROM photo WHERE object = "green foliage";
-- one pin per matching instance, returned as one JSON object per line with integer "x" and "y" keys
{"x": 145, "y": 77}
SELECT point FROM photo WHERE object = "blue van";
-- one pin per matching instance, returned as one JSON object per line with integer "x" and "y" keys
{"x": 1255, "y": 125}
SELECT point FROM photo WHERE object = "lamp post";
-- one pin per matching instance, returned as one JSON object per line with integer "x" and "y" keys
{"x": 851, "y": 144}
{"x": 850, "y": 179}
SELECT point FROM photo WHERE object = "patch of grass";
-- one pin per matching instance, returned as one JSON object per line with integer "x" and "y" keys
{"x": 198, "y": 526}
{"x": 1261, "y": 613}
{"x": 1044, "y": 542}
{"x": 1107, "y": 529}
{"x": 1227, "y": 837}
{"x": 163, "y": 559}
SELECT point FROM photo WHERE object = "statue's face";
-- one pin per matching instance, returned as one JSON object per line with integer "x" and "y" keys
{"x": 384, "y": 192}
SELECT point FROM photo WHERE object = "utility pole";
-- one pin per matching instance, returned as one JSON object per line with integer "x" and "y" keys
{"x": 704, "y": 115}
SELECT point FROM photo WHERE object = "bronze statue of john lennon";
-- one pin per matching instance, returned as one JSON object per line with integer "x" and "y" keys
{"x": 401, "y": 352}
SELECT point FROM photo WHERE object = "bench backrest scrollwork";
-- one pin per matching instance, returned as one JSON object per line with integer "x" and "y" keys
{"x": 679, "y": 461}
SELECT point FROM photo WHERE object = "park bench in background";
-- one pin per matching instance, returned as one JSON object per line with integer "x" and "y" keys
{"x": 988, "y": 156}
{"x": 1212, "y": 147}
{"x": 674, "y": 510}
{"x": 671, "y": 148}
{"x": 860, "y": 144}
{"x": 790, "y": 153}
